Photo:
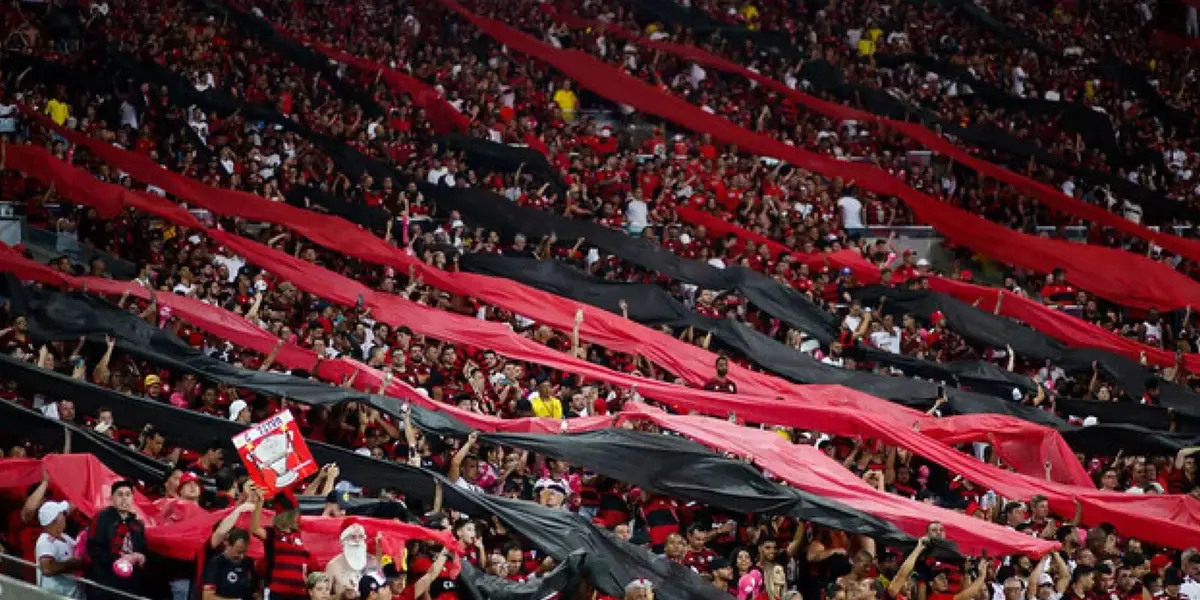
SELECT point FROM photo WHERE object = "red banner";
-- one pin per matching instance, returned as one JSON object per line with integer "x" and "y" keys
{"x": 1160, "y": 520}
{"x": 180, "y": 530}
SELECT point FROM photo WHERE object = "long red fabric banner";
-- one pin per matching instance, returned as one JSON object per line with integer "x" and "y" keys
{"x": 180, "y": 530}
{"x": 1047, "y": 195}
{"x": 599, "y": 326}
{"x": 808, "y": 468}
{"x": 1158, "y": 521}
{"x": 1065, "y": 328}
{"x": 1119, "y": 276}
{"x": 825, "y": 418}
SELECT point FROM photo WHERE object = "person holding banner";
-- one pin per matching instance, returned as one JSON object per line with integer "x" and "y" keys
{"x": 287, "y": 560}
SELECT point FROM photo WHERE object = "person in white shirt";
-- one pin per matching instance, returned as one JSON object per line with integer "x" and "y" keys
{"x": 853, "y": 215}
{"x": 1019, "y": 76}
{"x": 436, "y": 174}
{"x": 56, "y": 551}
{"x": 638, "y": 214}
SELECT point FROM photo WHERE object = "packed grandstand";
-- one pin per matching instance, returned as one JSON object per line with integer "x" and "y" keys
{"x": 767, "y": 299}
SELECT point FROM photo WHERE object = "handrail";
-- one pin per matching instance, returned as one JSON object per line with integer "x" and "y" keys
{"x": 18, "y": 589}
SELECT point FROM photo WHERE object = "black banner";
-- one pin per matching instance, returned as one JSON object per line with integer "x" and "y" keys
{"x": 982, "y": 327}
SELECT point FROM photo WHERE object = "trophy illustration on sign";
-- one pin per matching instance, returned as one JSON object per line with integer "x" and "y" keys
{"x": 275, "y": 453}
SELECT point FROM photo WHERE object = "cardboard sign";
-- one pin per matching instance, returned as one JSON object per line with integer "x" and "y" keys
{"x": 275, "y": 454}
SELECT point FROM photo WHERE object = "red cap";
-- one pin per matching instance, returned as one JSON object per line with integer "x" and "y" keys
{"x": 1160, "y": 562}
{"x": 964, "y": 275}
{"x": 188, "y": 477}
{"x": 937, "y": 317}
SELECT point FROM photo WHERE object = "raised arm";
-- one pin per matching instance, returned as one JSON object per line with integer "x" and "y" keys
{"x": 906, "y": 568}
{"x": 456, "y": 463}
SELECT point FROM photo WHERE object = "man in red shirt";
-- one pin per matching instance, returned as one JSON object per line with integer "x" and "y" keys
{"x": 721, "y": 383}
{"x": 698, "y": 555}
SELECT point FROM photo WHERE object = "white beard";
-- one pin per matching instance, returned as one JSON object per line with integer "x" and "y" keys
{"x": 356, "y": 556}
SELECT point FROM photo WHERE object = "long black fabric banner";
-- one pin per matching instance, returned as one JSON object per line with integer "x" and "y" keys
{"x": 651, "y": 305}
{"x": 51, "y": 434}
{"x": 985, "y": 328}
{"x": 502, "y": 157}
{"x": 773, "y": 298}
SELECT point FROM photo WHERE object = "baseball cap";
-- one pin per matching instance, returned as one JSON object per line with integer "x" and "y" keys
{"x": 367, "y": 585}
{"x": 718, "y": 563}
{"x": 550, "y": 484}
{"x": 1159, "y": 562}
{"x": 49, "y": 511}
{"x": 235, "y": 408}
{"x": 152, "y": 380}
{"x": 342, "y": 499}
{"x": 188, "y": 477}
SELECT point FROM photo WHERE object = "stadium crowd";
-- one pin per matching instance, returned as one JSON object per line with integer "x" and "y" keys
{"x": 614, "y": 178}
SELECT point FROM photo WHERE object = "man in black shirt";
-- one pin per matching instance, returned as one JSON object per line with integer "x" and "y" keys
{"x": 230, "y": 574}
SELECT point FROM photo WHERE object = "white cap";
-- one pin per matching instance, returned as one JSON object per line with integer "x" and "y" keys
{"x": 921, "y": 262}
{"x": 1090, "y": 421}
{"x": 102, "y": 427}
{"x": 685, "y": 239}
{"x": 50, "y": 511}
{"x": 1017, "y": 395}
{"x": 347, "y": 487}
{"x": 235, "y": 408}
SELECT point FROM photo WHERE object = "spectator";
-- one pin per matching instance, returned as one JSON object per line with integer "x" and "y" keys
{"x": 117, "y": 534}
{"x": 56, "y": 555}
{"x": 287, "y": 571}
{"x": 230, "y": 574}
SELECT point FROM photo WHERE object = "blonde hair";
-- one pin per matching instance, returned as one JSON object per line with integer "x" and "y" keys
{"x": 769, "y": 579}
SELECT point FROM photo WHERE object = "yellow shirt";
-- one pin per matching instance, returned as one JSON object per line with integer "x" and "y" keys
{"x": 550, "y": 407}
{"x": 866, "y": 47}
{"x": 59, "y": 111}
{"x": 567, "y": 102}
